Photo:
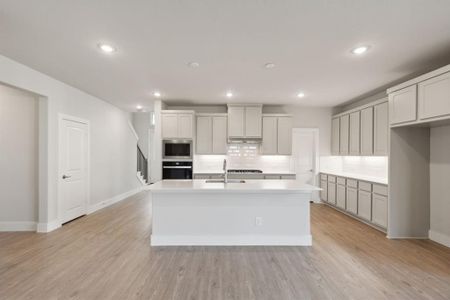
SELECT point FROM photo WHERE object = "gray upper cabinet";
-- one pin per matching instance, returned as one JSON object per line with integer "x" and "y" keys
{"x": 367, "y": 131}
{"x": 434, "y": 97}
{"x": 381, "y": 129}
{"x": 354, "y": 138}
{"x": 177, "y": 124}
{"x": 335, "y": 136}
{"x": 403, "y": 105}
{"x": 244, "y": 121}
{"x": 277, "y": 135}
{"x": 211, "y": 134}
{"x": 344, "y": 130}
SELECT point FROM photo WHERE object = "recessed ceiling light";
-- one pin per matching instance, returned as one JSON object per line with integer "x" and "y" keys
{"x": 301, "y": 95}
{"x": 229, "y": 94}
{"x": 157, "y": 94}
{"x": 269, "y": 66}
{"x": 138, "y": 107}
{"x": 107, "y": 48}
{"x": 360, "y": 50}
{"x": 194, "y": 64}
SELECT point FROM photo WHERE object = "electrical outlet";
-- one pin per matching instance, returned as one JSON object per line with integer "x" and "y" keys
{"x": 258, "y": 221}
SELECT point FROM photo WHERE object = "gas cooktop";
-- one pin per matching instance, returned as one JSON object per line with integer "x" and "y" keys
{"x": 244, "y": 171}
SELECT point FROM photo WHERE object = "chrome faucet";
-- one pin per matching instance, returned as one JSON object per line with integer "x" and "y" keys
{"x": 225, "y": 171}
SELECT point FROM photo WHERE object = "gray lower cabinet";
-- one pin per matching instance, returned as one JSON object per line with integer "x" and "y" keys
{"x": 331, "y": 192}
{"x": 324, "y": 191}
{"x": 340, "y": 196}
{"x": 365, "y": 205}
{"x": 379, "y": 210}
{"x": 352, "y": 200}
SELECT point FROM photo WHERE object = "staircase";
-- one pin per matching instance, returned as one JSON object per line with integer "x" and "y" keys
{"x": 142, "y": 167}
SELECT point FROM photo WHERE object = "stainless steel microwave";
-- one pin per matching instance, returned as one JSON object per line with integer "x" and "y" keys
{"x": 177, "y": 149}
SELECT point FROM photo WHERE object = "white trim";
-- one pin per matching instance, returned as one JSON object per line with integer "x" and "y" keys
{"x": 133, "y": 130}
{"x": 237, "y": 240}
{"x": 97, "y": 206}
{"x": 361, "y": 107}
{"x": 62, "y": 117}
{"x": 407, "y": 237}
{"x": 315, "y": 196}
{"x": 47, "y": 227}
{"x": 439, "y": 238}
{"x": 18, "y": 226}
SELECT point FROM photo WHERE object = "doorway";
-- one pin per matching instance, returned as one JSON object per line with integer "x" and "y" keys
{"x": 305, "y": 154}
{"x": 73, "y": 167}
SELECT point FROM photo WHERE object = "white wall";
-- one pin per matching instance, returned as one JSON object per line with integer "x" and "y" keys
{"x": 18, "y": 156}
{"x": 439, "y": 184}
{"x": 142, "y": 124}
{"x": 113, "y": 145}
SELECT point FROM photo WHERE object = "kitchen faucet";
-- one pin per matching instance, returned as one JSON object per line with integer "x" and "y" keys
{"x": 225, "y": 174}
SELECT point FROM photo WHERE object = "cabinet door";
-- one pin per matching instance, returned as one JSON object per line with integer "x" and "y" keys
{"x": 284, "y": 134}
{"x": 381, "y": 129}
{"x": 204, "y": 135}
{"x": 332, "y": 193}
{"x": 352, "y": 200}
{"x": 324, "y": 191}
{"x": 343, "y": 134}
{"x": 169, "y": 126}
{"x": 403, "y": 105}
{"x": 379, "y": 210}
{"x": 269, "y": 138}
{"x": 434, "y": 97}
{"x": 236, "y": 121}
{"x": 253, "y": 120}
{"x": 367, "y": 131}
{"x": 365, "y": 205}
{"x": 185, "y": 126}
{"x": 340, "y": 196}
{"x": 335, "y": 136}
{"x": 354, "y": 144}
{"x": 219, "y": 135}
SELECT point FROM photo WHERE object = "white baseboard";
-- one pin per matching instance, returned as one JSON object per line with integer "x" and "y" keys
{"x": 47, "y": 227}
{"x": 439, "y": 238}
{"x": 94, "y": 207}
{"x": 244, "y": 240}
{"x": 18, "y": 226}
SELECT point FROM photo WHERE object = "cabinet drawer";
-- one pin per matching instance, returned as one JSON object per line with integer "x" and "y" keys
{"x": 380, "y": 189}
{"x": 331, "y": 178}
{"x": 323, "y": 177}
{"x": 352, "y": 183}
{"x": 341, "y": 180}
{"x": 216, "y": 176}
{"x": 288, "y": 177}
{"x": 365, "y": 186}
{"x": 272, "y": 177}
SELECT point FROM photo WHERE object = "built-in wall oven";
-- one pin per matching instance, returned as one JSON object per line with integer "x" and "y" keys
{"x": 177, "y": 149}
{"x": 177, "y": 169}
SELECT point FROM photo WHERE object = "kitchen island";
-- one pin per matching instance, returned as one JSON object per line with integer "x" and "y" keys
{"x": 254, "y": 212}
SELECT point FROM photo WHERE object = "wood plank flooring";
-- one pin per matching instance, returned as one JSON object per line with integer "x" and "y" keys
{"x": 107, "y": 255}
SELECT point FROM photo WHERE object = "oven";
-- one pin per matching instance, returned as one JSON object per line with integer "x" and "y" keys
{"x": 177, "y": 170}
{"x": 177, "y": 149}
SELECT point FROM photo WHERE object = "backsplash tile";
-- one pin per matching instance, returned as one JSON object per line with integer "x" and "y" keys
{"x": 373, "y": 166}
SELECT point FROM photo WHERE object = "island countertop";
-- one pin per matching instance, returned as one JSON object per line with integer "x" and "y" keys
{"x": 250, "y": 186}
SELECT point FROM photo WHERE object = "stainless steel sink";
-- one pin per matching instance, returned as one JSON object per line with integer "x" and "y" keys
{"x": 223, "y": 181}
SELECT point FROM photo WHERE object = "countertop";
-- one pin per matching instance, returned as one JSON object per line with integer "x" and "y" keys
{"x": 250, "y": 186}
{"x": 381, "y": 180}
{"x": 221, "y": 172}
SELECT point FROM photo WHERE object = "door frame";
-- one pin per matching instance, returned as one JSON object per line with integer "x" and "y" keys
{"x": 62, "y": 117}
{"x": 316, "y": 132}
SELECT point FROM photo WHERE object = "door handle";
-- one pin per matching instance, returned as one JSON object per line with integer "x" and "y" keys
{"x": 65, "y": 176}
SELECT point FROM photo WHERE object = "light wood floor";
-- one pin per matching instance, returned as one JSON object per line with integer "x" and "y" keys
{"x": 107, "y": 255}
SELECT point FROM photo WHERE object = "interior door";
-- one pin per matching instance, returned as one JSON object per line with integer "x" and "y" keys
{"x": 304, "y": 154}
{"x": 73, "y": 173}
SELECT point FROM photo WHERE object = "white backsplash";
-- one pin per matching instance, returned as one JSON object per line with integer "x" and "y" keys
{"x": 243, "y": 156}
{"x": 373, "y": 166}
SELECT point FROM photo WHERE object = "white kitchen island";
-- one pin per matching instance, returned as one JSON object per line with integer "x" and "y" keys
{"x": 257, "y": 212}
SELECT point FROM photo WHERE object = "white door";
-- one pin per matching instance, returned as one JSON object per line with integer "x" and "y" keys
{"x": 73, "y": 170}
{"x": 305, "y": 147}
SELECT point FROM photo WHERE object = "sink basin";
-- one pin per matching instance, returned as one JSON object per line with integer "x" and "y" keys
{"x": 223, "y": 181}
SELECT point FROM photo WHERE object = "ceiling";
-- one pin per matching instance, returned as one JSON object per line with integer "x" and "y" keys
{"x": 308, "y": 41}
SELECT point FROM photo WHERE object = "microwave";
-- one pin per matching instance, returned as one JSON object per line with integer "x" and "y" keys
{"x": 177, "y": 149}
